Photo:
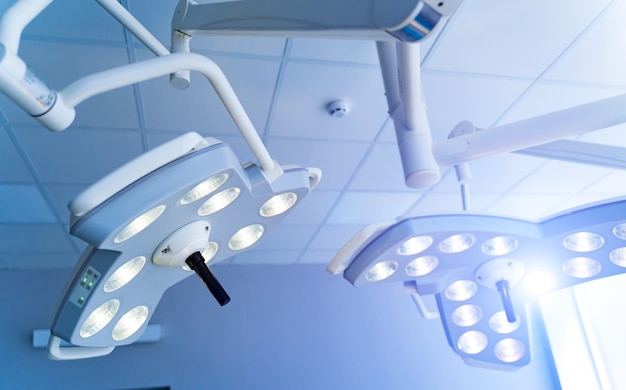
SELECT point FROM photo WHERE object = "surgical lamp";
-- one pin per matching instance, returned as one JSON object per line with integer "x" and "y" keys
{"x": 172, "y": 211}
{"x": 482, "y": 269}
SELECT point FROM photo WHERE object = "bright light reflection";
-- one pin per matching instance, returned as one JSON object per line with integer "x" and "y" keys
{"x": 472, "y": 342}
{"x": 500, "y": 324}
{"x": 278, "y": 204}
{"x": 467, "y": 315}
{"x": 124, "y": 274}
{"x": 619, "y": 231}
{"x": 218, "y": 201}
{"x": 245, "y": 237}
{"x": 457, "y": 243}
{"x": 540, "y": 282}
{"x": 499, "y": 246}
{"x": 581, "y": 267}
{"x": 583, "y": 242}
{"x": 461, "y": 290}
{"x": 130, "y": 323}
{"x": 203, "y": 189}
{"x": 415, "y": 245}
{"x": 422, "y": 266}
{"x": 618, "y": 256}
{"x": 99, "y": 318}
{"x": 382, "y": 270}
{"x": 139, "y": 223}
{"x": 509, "y": 350}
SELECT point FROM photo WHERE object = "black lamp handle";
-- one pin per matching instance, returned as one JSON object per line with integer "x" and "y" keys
{"x": 196, "y": 262}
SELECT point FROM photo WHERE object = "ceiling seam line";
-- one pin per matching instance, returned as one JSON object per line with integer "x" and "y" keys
{"x": 280, "y": 77}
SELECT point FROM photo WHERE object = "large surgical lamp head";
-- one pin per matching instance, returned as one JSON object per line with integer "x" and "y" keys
{"x": 482, "y": 269}
{"x": 176, "y": 209}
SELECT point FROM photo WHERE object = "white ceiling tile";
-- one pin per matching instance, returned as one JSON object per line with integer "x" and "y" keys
{"x": 23, "y": 204}
{"x": 580, "y": 200}
{"x": 371, "y": 207}
{"x": 61, "y": 195}
{"x": 286, "y": 237}
{"x": 558, "y": 177}
{"x": 333, "y": 237}
{"x": 12, "y": 166}
{"x": 38, "y": 261}
{"x": 342, "y": 50}
{"x": 500, "y": 173}
{"x": 519, "y": 39}
{"x": 337, "y": 160}
{"x": 599, "y": 56}
{"x": 381, "y": 170}
{"x": 34, "y": 238}
{"x": 452, "y": 98}
{"x": 546, "y": 97}
{"x": 614, "y": 136}
{"x": 307, "y": 89}
{"x": 78, "y": 156}
{"x": 527, "y": 206}
{"x": 442, "y": 202}
{"x": 198, "y": 107}
{"x": 613, "y": 184}
{"x": 80, "y": 20}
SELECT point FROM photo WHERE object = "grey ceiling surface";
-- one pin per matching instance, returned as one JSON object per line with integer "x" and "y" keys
{"x": 493, "y": 63}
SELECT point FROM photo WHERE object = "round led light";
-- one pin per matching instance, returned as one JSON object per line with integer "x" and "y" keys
{"x": 205, "y": 188}
{"x": 540, "y": 282}
{"x": 618, "y": 256}
{"x": 583, "y": 242}
{"x": 509, "y": 350}
{"x": 415, "y": 245}
{"x": 124, "y": 274}
{"x": 581, "y": 267}
{"x": 500, "y": 324}
{"x": 472, "y": 342}
{"x": 499, "y": 246}
{"x": 457, "y": 243}
{"x": 218, "y": 201}
{"x": 130, "y": 323}
{"x": 382, "y": 270}
{"x": 422, "y": 266}
{"x": 245, "y": 237}
{"x": 99, "y": 318}
{"x": 139, "y": 223}
{"x": 467, "y": 315}
{"x": 461, "y": 290}
{"x": 208, "y": 254}
{"x": 278, "y": 204}
{"x": 619, "y": 231}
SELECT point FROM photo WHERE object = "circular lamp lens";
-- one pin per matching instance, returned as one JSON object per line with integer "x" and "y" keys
{"x": 461, "y": 290}
{"x": 205, "y": 188}
{"x": 208, "y": 254}
{"x": 99, "y": 318}
{"x": 619, "y": 231}
{"x": 457, "y": 243}
{"x": 245, "y": 237}
{"x": 422, "y": 266}
{"x": 500, "y": 324}
{"x": 467, "y": 315}
{"x": 472, "y": 342}
{"x": 415, "y": 245}
{"x": 139, "y": 223}
{"x": 583, "y": 242}
{"x": 130, "y": 323}
{"x": 499, "y": 246}
{"x": 618, "y": 256}
{"x": 509, "y": 350}
{"x": 278, "y": 204}
{"x": 218, "y": 201}
{"x": 124, "y": 274}
{"x": 382, "y": 270}
{"x": 581, "y": 267}
{"x": 540, "y": 282}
